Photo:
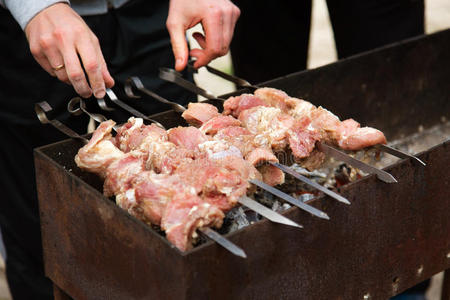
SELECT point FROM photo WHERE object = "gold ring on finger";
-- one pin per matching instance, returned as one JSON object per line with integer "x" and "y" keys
{"x": 59, "y": 67}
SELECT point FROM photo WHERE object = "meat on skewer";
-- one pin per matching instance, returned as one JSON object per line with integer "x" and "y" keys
{"x": 277, "y": 121}
{"x": 210, "y": 180}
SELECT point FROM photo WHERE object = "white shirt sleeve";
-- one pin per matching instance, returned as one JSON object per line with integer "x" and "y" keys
{"x": 24, "y": 10}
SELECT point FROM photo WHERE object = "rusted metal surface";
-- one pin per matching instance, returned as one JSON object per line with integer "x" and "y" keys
{"x": 391, "y": 237}
{"x": 59, "y": 294}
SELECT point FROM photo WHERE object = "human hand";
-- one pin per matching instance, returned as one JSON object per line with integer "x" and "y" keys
{"x": 218, "y": 18}
{"x": 57, "y": 36}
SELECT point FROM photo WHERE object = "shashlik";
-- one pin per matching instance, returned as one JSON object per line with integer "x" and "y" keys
{"x": 188, "y": 177}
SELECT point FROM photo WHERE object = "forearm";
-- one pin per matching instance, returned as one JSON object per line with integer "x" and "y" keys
{"x": 24, "y": 10}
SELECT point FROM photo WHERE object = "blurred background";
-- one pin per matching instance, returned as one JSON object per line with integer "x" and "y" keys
{"x": 322, "y": 51}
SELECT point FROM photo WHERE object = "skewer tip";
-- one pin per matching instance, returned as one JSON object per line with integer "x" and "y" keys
{"x": 241, "y": 253}
{"x": 324, "y": 216}
{"x": 345, "y": 201}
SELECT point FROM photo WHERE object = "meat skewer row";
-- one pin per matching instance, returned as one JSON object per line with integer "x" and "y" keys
{"x": 315, "y": 158}
{"x": 43, "y": 107}
{"x": 164, "y": 184}
{"x": 278, "y": 176}
{"x": 381, "y": 147}
{"x": 227, "y": 128}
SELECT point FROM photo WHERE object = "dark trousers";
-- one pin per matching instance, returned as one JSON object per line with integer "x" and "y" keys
{"x": 271, "y": 37}
{"x": 134, "y": 42}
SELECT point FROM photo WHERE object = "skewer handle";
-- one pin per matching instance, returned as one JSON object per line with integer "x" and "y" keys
{"x": 173, "y": 76}
{"x": 42, "y": 108}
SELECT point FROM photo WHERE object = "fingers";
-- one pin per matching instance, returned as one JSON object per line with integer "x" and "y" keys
{"x": 88, "y": 49}
{"x": 179, "y": 43}
{"x": 109, "y": 81}
{"x": 65, "y": 47}
{"x": 213, "y": 26}
{"x": 218, "y": 23}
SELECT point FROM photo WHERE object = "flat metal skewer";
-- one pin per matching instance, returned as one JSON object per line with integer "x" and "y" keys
{"x": 236, "y": 80}
{"x": 400, "y": 154}
{"x": 266, "y": 212}
{"x": 224, "y": 242}
{"x": 175, "y": 77}
{"x": 129, "y": 109}
{"x": 382, "y": 175}
{"x": 76, "y": 106}
{"x": 306, "y": 180}
{"x": 41, "y": 108}
{"x": 137, "y": 83}
{"x": 300, "y": 204}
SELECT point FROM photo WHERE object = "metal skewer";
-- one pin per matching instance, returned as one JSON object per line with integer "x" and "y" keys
{"x": 76, "y": 106}
{"x": 137, "y": 83}
{"x": 321, "y": 188}
{"x": 236, "y": 80}
{"x": 400, "y": 154}
{"x": 173, "y": 76}
{"x": 382, "y": 175}
{"x": 300, "y": 204}
{"x": 224, "y": 242}
{"x": 266, "y": 212}
{"x": 42, "y": 108}
{"x": 244, "y": 83}
{"x": 129, "y": 109}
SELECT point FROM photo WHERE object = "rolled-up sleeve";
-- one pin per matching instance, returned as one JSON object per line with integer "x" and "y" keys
{"x": 24, "y": 10}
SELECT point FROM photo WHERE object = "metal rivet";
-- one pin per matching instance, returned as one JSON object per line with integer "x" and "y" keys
{"x": 420, "y": 270}
{"x": 366, "y": 296}
{"x": 448, "y": 255}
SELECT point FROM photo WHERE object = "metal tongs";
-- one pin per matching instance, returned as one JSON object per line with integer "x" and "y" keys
{"x": 136, "y": 82}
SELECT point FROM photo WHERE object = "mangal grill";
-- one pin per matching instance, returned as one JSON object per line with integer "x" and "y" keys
{"x": 391, "y": 237}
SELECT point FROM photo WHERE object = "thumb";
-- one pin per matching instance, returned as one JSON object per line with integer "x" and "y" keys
{"x": 179, "y": 44}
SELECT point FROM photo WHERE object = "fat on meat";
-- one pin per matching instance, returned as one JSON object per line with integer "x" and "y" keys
{"x": 199, "y": 113}
{"x": 121, "y": 172}
{"x": 268, "y": 124}
{"x": 302, "y": 138}
{"x": 100, "y": 151}
{"x": 135, "y": 135}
